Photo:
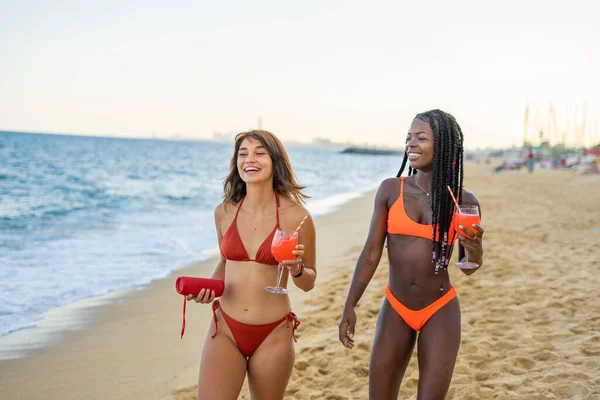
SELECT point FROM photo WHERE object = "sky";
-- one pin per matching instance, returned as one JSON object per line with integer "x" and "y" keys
{"x": 348, "y": 71}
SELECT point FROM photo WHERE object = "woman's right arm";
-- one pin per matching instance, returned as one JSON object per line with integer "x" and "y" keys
{"x": 219, "y": 215}
{"x": 206, "y": 296}
{"x": 367, "y": 262}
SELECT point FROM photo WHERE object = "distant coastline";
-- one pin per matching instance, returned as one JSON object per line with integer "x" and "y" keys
{"x": 371, "y": 151}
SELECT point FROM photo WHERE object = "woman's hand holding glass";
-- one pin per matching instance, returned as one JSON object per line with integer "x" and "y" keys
{"x": 288, "y": 253}
{"x": 294, "y": 265}
{"x": 470, "y": 237}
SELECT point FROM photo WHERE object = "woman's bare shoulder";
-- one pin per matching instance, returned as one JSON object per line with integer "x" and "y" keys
{"x": 389, "y": 184}
{"x": 291, "y": 210}
{"x": 387, "y": 188}
{"x": 223, "y": 209}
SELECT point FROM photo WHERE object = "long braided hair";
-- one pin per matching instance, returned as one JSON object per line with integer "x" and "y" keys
{"x": 447, "y": 171}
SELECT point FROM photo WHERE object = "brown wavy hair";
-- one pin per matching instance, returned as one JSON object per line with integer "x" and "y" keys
{"x": 284, "y": 180}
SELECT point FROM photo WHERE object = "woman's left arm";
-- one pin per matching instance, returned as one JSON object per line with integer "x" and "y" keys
{"x": 303, "y": 269}
{"x": 473, "y": 242}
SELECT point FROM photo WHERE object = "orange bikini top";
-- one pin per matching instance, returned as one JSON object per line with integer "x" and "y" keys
{"x": 232, "y": 247}
{"x": 399, "y": 223}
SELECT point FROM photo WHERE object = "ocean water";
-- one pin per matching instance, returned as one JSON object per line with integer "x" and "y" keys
{"x": 85, "y": 216}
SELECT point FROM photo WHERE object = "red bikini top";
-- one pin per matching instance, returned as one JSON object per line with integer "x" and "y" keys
{"x": 399, "y": 223}
{"x": 232, "y": 247}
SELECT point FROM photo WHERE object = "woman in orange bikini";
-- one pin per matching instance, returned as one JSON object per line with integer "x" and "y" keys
{"x": 415, "y": 215}
{"x": 253, "y": 330}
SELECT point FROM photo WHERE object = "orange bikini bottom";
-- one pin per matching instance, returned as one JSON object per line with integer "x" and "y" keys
{"x": 416, "y": 319}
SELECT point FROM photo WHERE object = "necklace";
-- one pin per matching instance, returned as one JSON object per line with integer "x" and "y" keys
{"x": 424, "y": 191}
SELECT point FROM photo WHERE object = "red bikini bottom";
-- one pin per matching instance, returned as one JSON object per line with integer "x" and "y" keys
{"x": 249, "y": 337}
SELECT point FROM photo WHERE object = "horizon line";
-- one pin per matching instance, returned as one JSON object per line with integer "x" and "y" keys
{"x": 179, "y": 138}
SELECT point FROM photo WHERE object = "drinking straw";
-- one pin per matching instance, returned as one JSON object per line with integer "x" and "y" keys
{"x": 454, "y": 198}
{"x": 299, "y": 226}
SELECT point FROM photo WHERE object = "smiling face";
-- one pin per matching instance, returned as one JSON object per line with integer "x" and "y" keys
{"x": 259, "y": 157}
{"x": 419, "y": 145}
{"x": 254, "y": 163}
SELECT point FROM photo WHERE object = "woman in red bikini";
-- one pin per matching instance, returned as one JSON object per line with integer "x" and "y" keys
{"x": 420, "y": 306}
{"x": 253, "y": 330}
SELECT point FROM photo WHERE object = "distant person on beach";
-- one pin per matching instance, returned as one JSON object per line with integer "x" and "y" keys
{"x": 415, "y": 214}
{"x": 253, "y": 330}
{"x": 593, "y": 167}
{"x": 530, "y": 159}
{"x": 501, "y": 167}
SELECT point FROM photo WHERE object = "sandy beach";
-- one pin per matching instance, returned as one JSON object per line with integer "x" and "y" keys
{"x": 530, "y": 316}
